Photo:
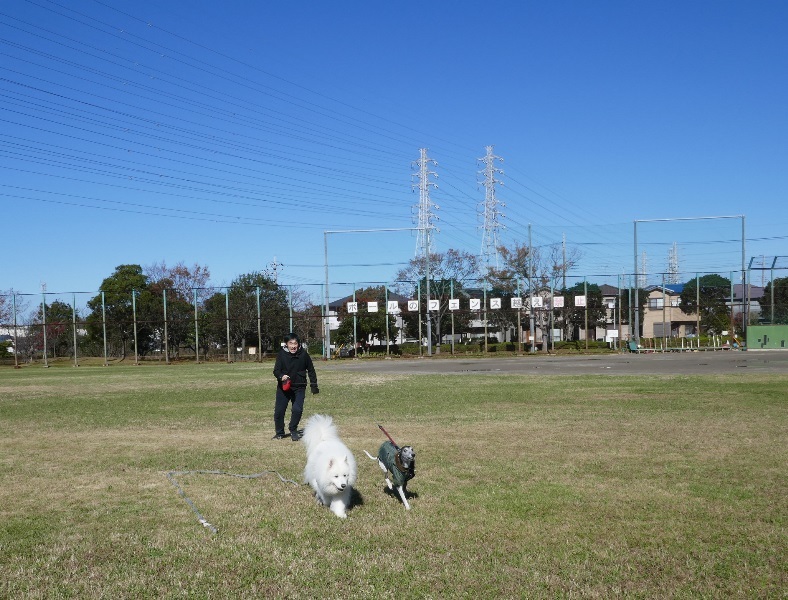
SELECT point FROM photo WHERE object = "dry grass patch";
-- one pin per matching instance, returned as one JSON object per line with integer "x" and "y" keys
{"x": 525, "y": 487}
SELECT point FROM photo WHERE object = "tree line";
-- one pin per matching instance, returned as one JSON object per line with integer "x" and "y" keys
{"x": 254, "y": 311}
{"x": 127, "y": 315}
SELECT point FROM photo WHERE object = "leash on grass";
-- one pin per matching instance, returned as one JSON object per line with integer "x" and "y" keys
{"x": 202, "y": 520}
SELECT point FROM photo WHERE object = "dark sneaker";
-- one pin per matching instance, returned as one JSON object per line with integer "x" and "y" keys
{"x": 279, "y": 436}
{"x": 295, "y": 436}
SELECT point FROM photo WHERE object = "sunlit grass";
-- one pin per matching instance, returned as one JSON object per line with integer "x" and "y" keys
{"x": 525, "y": 487}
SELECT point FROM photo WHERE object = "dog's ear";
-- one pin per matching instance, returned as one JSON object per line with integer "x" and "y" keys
{"x": 330, "y": 464}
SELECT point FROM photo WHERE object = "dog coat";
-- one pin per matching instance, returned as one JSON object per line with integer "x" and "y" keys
{"x": 388, "y": 454}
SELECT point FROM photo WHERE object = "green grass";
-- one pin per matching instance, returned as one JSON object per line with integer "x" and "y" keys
{"x": 526, "y": 487}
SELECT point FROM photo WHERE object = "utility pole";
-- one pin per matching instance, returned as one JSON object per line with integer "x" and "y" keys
{"x": 563, "y": 245}
{"x": 490, "y": 213}
{"x": 532, "y": 329}
{"x": 44, "y": 319}
{"x": 426, "y": 216}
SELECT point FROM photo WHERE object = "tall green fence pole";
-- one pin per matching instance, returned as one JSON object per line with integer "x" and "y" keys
{"x": 74, "y": 326}
{"x": 620, "y": 325}
{"x": 104, "y": 326}
{"x": 260, "y": 323}
{"x": 227, "y": 320}
{"x": 630, "y": 325}
{"x": 418, "y": 294}
{"x": 733, "y": 321}
{"x": 196, "y": 330}
{"x": 585, "y": 311}
{"x": 552, "y": 313}
{"x": 355, "y": 320}
{"x": 697, "y": 303}
{"x": 664, "y": 311}
{"x": 520, "y": 320}
{"x": 134, "y": 321}
{"x": 44, "y": 321}
{"x": 386, "y": 292}
{"x": 771, "y": 291}
{"x": 166, "y": 331}
{"x": 16, "y": 337}
{"x": 451, "y": 297}
{"x": 290, "y": 303}
{"x": 485, "y": 318}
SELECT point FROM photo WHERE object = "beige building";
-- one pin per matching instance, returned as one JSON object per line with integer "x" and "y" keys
{"x": 663, "y": 317}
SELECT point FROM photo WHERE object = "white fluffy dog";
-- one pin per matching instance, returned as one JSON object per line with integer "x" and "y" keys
{"x": 330, "y": 466}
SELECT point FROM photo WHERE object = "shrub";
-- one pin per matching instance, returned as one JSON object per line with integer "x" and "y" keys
{"x": 409, "y": 348}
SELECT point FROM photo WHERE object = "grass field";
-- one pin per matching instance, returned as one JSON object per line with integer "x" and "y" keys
{"x": 554, "y": 487}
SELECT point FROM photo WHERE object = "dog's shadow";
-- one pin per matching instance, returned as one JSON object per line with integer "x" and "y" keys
{"x": 356, "y": 499}
{"x": 394, "y": 494}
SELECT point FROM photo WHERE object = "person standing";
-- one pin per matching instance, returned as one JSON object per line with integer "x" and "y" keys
{"x": 292, "y": 366}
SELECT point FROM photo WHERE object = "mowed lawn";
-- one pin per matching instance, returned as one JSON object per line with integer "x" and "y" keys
{"x": 526, "y": 487}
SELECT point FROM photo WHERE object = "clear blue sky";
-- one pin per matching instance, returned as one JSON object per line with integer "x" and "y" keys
{"x": 233, "y": 134}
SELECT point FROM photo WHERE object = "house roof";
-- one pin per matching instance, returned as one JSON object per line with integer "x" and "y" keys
{"x": 755, "y": 293}
{"x": 670, "y": 289}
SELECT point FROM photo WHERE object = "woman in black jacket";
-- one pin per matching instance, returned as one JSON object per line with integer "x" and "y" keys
{"x": 293, "y": 363}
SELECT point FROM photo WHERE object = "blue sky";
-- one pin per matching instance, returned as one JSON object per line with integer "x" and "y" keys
{"x": 232, "y": 135}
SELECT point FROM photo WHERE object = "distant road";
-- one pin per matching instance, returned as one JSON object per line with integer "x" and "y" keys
{"x": 684, "y": 363}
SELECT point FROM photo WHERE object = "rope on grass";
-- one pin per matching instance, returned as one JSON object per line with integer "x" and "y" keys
{"x": 202, "y": 520}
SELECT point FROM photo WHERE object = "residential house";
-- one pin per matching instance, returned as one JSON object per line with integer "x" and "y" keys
{"x": 663, "y": 316}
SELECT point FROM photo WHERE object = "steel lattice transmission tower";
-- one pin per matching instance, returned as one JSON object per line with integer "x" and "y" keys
{"x": 643, "y": 275}
{"x": 424, "y": 210}
{"x": 490, "y": 213}
{"x": 673, "y": 264}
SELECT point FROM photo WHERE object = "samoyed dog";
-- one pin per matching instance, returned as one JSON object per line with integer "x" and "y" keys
{"x": 330, "y": 466}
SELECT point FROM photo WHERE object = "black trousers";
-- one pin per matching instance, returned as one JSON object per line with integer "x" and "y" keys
{"x": 283, "y": 398}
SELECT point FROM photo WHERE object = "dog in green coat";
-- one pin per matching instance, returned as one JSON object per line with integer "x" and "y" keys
{"x": 400, "y": 462}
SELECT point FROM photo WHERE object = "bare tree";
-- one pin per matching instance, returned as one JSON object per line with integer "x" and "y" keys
{"x": 452, "y": 269}
{"x": 5, "y": 307}
{"x": 182, "y": 279}
{"x": 535, "y": 267}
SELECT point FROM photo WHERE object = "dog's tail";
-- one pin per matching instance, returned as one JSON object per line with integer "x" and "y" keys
{"x": 319, "y": 428}
{"x": 370, "y": 456}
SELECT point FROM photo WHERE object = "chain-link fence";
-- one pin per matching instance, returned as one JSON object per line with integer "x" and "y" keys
{"x": 228, "y": 324}
{"x": 516, "y": 314}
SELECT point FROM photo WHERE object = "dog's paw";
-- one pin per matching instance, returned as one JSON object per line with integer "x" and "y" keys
{"x": 388, "y": 483}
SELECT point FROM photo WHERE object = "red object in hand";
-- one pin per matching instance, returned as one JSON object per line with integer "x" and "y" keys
{"x": 286, "y": 385}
